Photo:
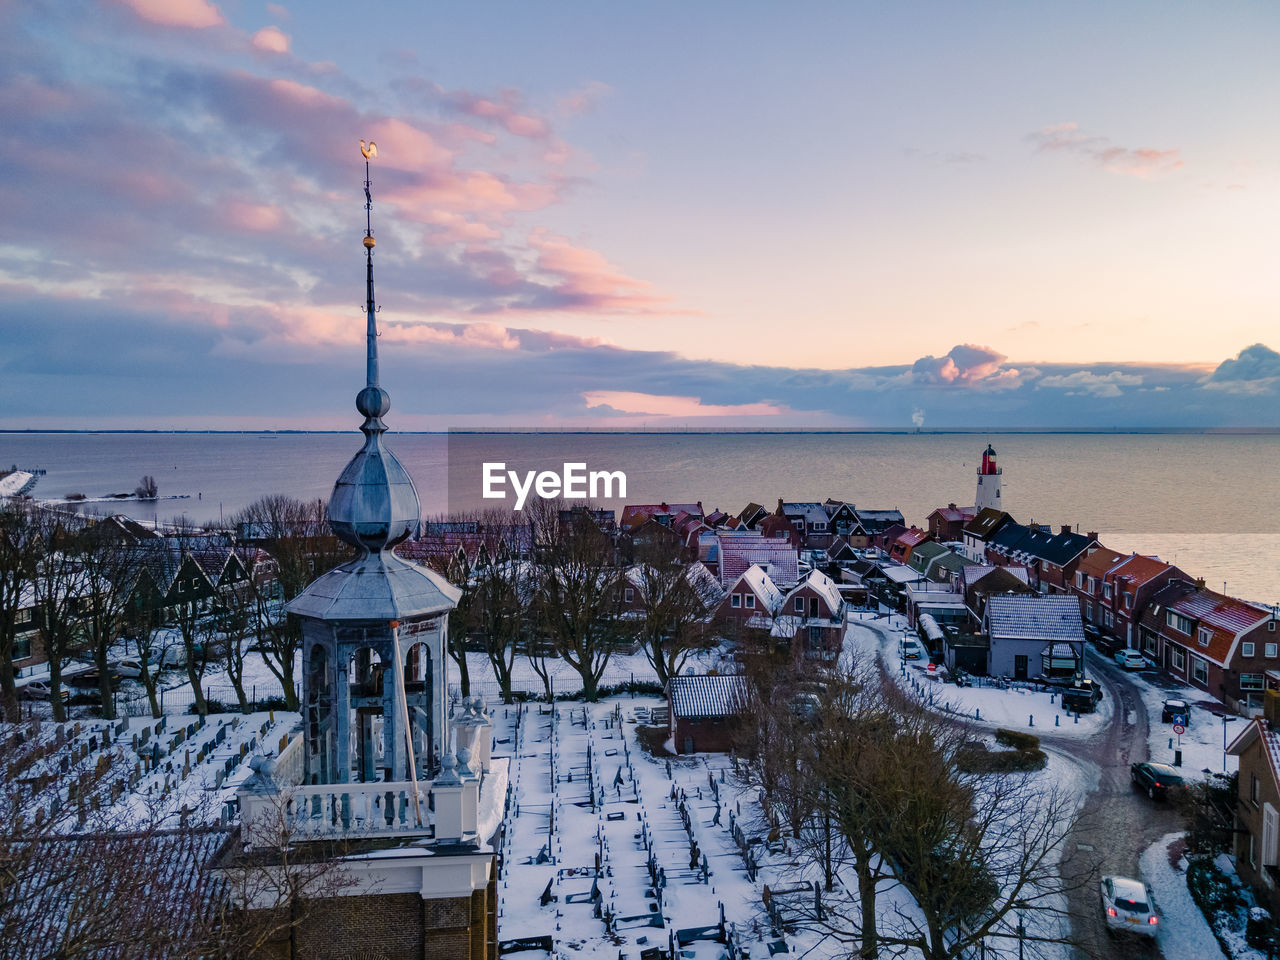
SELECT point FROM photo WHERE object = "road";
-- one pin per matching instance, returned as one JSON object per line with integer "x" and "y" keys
{"x": 1117, "y": 822}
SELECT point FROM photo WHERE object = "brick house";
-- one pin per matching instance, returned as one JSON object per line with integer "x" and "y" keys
{"x": 1050, "y": 558}
{"x": 948, "y": 523}
{"x": 702, "y": 712}
{"x": 1115, "y": 599}
{"x": 811, "y": 618}
{"x": 753, "y": 596}
{"x": 1257, "y": 833}
{"x": 634, "y": 514}
{"x": 977, "y": 583}
{"x": 845, "y": 524}
{"x": 975, "y": 534}
{"x": 1220, "y": 644}
{"x": 810, "y": 519}
{"x": 28, "y": 650}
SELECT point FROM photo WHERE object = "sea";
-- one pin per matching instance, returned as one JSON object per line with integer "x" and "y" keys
{"x": 1208, "y": 502}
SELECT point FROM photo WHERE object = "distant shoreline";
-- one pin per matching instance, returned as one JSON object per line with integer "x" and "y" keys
{"x": 701, "y": 431}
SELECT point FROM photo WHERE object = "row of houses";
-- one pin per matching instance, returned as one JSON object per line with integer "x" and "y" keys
{"x": 166, "y": 574}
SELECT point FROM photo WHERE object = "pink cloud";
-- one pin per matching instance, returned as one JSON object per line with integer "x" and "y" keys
{"x": 584, "y": 99}
{"x": 452, "y": 228}
{"x": 505, "y": 111}
{"x": 1141, "y": 162}
{"x": 661, "y": 405}
{"x": 259, "y": 217}
{"x": 966, "y": 364}
{"x": 270, "y": 40}
{"x": 585, "y": 278}
{"x": 194, "y": 14}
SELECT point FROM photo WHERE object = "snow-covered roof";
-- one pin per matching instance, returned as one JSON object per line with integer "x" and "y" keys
{"x": 694, "y": 698}
{"x": 1034, "y": 618}
{"x": 823, "y": 586}
{"x": 811, "y": 511}
{"x": 901, "y": 573}
{"x": 763, "y": 586}
{"x": 779, "y": 557}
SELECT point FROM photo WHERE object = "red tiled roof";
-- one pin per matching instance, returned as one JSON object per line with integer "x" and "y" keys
{"x": 1099, "y": 562}
{"x": 953, "y": 514}
{"x": 737, "y": 554}
{"x": 1137, "y": 570}
{"x": 913, "y": 537}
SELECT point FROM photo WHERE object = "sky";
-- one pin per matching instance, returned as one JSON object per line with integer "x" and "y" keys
{"x": 721, "y": 214}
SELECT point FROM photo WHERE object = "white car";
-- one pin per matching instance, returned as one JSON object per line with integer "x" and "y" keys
{"x": 1126, "y": 905}
{"x": 128, "y": 668}
{"x": 1130, "y": 659}
{"x": 912, "y": 650}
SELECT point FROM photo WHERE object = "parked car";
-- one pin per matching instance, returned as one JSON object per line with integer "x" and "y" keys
{"x": 1179, "y": 709}
{"x": 1126, "y": 905}
{"x": 39, "y": 690}
{"x": 128, "y": 668}
{"x": 1155, "y": 778}
{"x": 1130, "y": 659}
{"x": 912, "y": 650}
{"x": 1081, "y": 696}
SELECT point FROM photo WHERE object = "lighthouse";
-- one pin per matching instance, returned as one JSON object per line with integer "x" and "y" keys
{"x": 988, "y": 482}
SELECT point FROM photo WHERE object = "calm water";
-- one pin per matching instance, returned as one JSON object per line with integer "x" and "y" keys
{"x": 1208, "y": 503}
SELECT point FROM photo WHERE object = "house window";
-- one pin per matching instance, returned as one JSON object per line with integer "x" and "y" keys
{"x": 22, "y": 647}
{"x": 751, "y": 601}
{"x": 1199, "y": 671}
{"x": 1205, "y": 636}
{"x": 628, "y": 595}
{"x": 799, "y": 604}
{"x": 1179, "y": 658}
{"x": 24, "y": 616}
{"x": 1271, "y": 626}
{"x": 1250, "y": 681}
{"x": 1081, "y": 579}
{"x": 1270, "y": 649}
{"x": 735, "y": 600}
{"x": 819, "y": 527}
{"x": 1246, "y": 649}
{"x": 1128, "y": 601}
{"x": 1106, "y": 591}
{"x": 1253, "y": 788}
{"x": 1178, "y": 622}
{"x": 1106, "y": 618}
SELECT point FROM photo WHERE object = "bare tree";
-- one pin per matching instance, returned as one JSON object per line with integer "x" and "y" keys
{"x": 110, "y": 565}
{"x": 56, "y": 581}
{"x": 296, "y": 535}
{"x": 970, "y": 849}
{"x": 676, "y": 602}
{"x": 577, "y": 604}
{"x": 274, "y": 885}
{"x": 147, "y": 488}
{"x": 16, "y": 536}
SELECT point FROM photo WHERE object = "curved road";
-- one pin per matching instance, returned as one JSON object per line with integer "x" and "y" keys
{"x": 1117, "y": 823}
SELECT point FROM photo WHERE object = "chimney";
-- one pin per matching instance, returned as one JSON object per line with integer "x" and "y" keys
{"x": 951, "y": 506}
{"x": 779, "y": 506}
{"x": 1199, "y": 583}
{"x": 1092, "y": 534}
{"x": 1066, "y": 528}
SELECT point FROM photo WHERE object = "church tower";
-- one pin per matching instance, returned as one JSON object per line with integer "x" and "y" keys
{"x": 374, "y": 628}
{"x": 988, "y": 482}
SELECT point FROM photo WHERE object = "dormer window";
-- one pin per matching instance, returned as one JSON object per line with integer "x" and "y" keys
{"x": 1205, "y": 636}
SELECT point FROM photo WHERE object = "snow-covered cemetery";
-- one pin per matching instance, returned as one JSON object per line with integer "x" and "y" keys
{"x": 343, "y": 730}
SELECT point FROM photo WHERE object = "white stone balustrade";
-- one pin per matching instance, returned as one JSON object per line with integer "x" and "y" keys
{"x": 347, "y": 811}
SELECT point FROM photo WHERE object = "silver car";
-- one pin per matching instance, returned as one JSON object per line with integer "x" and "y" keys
{"x": 1127, "y": 906}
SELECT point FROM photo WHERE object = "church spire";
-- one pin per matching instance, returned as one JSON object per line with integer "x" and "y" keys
{"x": 372, "y": 402}
{"x": 374, "y": 504}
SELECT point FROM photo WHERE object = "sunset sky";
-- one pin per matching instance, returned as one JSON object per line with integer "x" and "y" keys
{"x": 761, "y": 214}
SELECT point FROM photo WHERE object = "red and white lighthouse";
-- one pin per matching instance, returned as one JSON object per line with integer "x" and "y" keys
{"x": 988, "y": 481}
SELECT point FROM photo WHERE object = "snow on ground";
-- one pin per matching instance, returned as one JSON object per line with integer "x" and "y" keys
{"x": 1202, "y": 744}
{"x": 1017, "y": 707}
{"x": 1183, "y": 933}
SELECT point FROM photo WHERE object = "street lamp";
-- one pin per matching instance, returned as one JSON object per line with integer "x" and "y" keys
{"x": 1022, "y": 930}
{"x": 1225, "y": 721}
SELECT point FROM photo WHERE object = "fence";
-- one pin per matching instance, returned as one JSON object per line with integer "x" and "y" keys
{"x": 180, "y": 700}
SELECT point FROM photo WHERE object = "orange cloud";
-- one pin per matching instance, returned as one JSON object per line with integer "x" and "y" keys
{"x": 194, "y": 14}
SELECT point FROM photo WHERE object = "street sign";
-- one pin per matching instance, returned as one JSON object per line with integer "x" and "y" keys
{"x": 1180, "y": 719}
{"x": 1179, "y": 729}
